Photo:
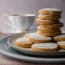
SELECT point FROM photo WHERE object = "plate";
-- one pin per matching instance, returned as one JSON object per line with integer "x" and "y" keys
{"x": 29, "y": 51}
{"x": 6, "y": 50}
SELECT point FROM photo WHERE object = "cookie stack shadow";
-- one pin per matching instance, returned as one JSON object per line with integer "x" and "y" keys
{"x": 49, "y": 23}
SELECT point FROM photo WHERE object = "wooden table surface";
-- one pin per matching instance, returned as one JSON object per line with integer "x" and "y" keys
{"x": 4, "y": 60}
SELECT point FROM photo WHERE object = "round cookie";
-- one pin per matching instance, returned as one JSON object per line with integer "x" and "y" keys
{"x": 47, "y": 30}
{"x": 41, "y": 47}
{"x": 48, "y": 34}
{"x": 50, "y": 11}
{"x": 36, "y": 38}
{"x": 61, "y": 44}
{"x": 59, "y": 25}
{"x": 48, "y": 17}
{"x": 60, "y": 37}
{"x": 23, "y": 42}
{"x": 46, "y": 22}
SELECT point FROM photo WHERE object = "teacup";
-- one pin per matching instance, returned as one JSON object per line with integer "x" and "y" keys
{"x": 20, "y": 23}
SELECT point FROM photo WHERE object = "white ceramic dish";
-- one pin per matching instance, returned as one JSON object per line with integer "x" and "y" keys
{"x": 6, "y": 50}
{"x": 29, "y": 50}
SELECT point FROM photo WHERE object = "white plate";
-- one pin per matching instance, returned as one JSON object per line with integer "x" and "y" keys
{"x": 6, "y": 50}
{"x": 29, "y": 50}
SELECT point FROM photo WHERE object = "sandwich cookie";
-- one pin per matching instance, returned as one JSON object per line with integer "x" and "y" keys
{"x": 41, "y": 47}
{"x": 48, "y": 17}
{"x": 23, "y": 42}
{"x": 50, "y": 11}
{"x": 36, "y": 38}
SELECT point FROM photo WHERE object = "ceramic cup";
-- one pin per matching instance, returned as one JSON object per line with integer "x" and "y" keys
{"x": 22, "y": 23}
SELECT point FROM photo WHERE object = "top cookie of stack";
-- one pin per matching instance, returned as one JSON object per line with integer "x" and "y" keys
{"x": 49, "y": 23}
{"x": 50, "y": 11}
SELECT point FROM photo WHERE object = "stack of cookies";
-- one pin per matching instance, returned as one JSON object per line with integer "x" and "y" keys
{"x": 47, "y": 31}
{"x": 49, "y": 23}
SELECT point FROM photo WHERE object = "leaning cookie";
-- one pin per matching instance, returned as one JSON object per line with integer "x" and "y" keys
{"x": 36, "y": 38}
{"x": 60, "y": 37}
{"x": 41, "y": 47}
{"x": 48, "y": 17}
{"x": 23, "y": 42}
{"x": 61, "y": 44}
{"x": 50, "y": 11}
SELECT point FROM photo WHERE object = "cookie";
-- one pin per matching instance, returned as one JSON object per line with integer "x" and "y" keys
{"x": 60, "y": 37}
{"x": 48, "y": 17}
{"x": 36, "y": 38}
{"x": 50, "y": 11}
{"x": 59, "y": 25}
{"x": 41, "y": 47}
{"x": 44, "y": 27}
{"x": 23, "y": 42}
{"x": 61, "y": 44}
{"x": 46, "y": 22}
{"x": 47, "y": 30}
{"x": 48, "y": 34}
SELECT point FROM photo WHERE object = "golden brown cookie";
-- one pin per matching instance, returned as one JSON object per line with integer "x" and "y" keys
{"x": 23, "y": 42}
{"x": 59, "y": 25}
{"x": 41, "y": 47}
{"x": 50, "y": 11}
{"x": 61, "y": 44}
{"x": 48, "y": 34}
{"x": 46, "y": 22}
{"x": 36, "y": 38}
{"x": 48, "y": 17}
{"x": 47, "y": 30}
{"x": 60, "y": 37}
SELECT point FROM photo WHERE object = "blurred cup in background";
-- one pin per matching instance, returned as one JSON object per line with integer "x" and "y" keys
{"x": 20, "y": 23}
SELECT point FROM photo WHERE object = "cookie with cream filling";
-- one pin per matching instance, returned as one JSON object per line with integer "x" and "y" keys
{"x": 23, "y": 42}
{"x": 36, "y": 38}
{"x": 41, "y": 47}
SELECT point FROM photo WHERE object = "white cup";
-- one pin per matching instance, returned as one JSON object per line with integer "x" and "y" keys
{"x": 19, "y": 23}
